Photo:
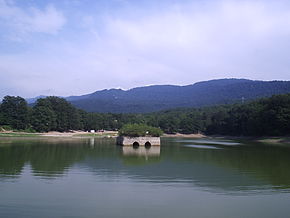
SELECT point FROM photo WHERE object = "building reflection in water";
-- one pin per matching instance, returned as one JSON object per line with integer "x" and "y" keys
{"x": 92, "y": 142}
{"x": 153, "y": 151}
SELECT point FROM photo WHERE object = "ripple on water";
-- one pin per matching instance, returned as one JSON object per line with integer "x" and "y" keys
{"x": 210, "y": 142}
{"x": 202, "y": 146}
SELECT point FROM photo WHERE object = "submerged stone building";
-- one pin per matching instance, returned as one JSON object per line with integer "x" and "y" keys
{"x": 146, "y": 141}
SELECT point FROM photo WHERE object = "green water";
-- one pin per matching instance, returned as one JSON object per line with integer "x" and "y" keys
{"x": 184, "y": 178}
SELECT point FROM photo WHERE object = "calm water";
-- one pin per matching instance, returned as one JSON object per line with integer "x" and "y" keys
{"x": 184, "y": 178}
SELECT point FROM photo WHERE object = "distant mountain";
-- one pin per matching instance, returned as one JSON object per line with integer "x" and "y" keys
{"x": 161, "y": 97}
{"x": 32, "y": 100}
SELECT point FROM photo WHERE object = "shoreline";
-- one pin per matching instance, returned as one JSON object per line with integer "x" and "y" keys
{"x": 104, "y": 134}
{"x": 114, "y": 134}
{"x": 72, "y": 134}
{"x": 108, "y": 134}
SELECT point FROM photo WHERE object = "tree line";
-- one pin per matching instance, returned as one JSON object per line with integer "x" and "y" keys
{"x": 267, "y": 116}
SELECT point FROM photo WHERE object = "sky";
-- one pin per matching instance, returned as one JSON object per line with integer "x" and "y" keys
{"x": 74, "y": 47}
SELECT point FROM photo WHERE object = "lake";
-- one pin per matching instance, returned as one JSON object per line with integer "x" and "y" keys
{"x": 89, "y": 177}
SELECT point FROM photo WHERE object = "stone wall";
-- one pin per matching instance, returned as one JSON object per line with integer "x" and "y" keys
{"x": 124, "y": 140}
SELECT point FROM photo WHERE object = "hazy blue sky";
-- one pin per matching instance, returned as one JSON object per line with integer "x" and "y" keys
{"x": 72, "y": 47}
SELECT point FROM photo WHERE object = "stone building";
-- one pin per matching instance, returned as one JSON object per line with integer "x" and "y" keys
{"x": 138, "y": 141}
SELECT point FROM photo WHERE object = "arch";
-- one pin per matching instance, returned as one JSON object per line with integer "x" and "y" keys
{"x": 136, "y": 145}
{"x": 147, "y": 145}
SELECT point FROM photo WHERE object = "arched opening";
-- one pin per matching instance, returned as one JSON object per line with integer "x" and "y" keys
{"x": 135, "y": 145}
{"x": 147, "y": 145}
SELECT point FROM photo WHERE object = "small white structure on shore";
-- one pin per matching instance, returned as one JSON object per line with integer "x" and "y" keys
{"x": 92, "y": 131}
{"x": 146, "y": 141}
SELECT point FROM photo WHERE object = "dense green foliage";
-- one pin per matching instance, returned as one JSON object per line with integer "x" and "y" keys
{"x": 53, "y": 113}
{"x": 268, "y": 116}
{"x": 264, "y": 117}
{"x": 14, "y": 112}
{"x": 136, "y": 130}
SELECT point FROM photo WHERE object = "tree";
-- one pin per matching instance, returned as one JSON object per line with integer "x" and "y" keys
{"x": 136, "y": 130}
{"x": 64, "y": 116}
{"x": 43, "y": 119}
{"x": 14, "y": 112}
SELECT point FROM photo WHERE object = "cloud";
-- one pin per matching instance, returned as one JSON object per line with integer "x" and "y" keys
{"x": 176, "y": 43}
{"x": 22, "y": 21}
{"x": 189, "y": 26}
{"x": 232, "y": 37}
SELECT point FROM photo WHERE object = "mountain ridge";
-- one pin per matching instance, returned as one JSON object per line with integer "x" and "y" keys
{"x": 160, "y": 97}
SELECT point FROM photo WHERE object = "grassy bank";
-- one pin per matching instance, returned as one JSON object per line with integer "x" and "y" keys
{"x": 110, "y": 134}
{"x": 18, "y": 134}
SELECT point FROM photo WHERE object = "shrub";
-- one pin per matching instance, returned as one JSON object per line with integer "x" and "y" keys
{"x": 29, "y": 130}
{"x": 136, "y": 130}
{"x": 6, "y": 128}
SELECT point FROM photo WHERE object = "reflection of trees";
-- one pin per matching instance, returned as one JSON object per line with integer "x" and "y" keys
{"x": 47, "y": 157}
{"x": 12, "y": 160}
{"x": 54, "y": 159}
{"x": 229, "y": 168}
{"x": 265, "y": 164}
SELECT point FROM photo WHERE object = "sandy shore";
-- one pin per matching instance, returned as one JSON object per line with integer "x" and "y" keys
{"x": 104, "y": 134}
{"x": 81, "y": 134}
{"x": 114, "y": 134}
{"x": 110, "y": 134}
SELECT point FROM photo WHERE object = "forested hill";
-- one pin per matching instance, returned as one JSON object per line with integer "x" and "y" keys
{"x": 161, "y": 97}
{"x": 263, "y": 117}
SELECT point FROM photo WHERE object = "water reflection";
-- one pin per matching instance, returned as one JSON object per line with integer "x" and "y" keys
{"x": 209, "y": 142}
{"x": 92, "y": 142}
{"x": 141, "y": 151}
{"x": 139, "y": 156}
{"x": 241, "y": 168}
